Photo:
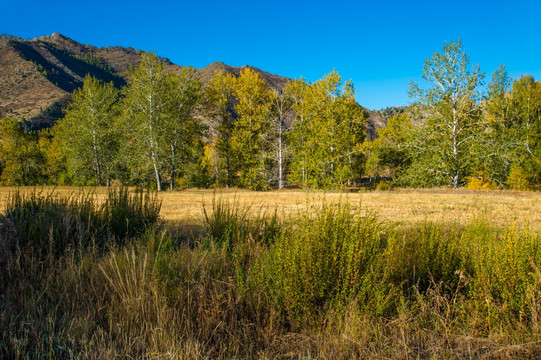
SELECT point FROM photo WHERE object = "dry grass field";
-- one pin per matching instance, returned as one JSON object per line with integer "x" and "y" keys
{"x": 401, "y": 206}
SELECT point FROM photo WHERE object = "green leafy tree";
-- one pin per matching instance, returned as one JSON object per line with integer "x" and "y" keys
{"x": 21, "y": 160}
{"x": 183, "y": 129}
{"x": 51, "y": 144}
{"x": 148, "y": 107}
{"x": 390, "y": 153}
{"x": 453, "y": 101}
{"x": 327, "y": 133}
{"x": 500, "y": 139}
{"x": 88, "y": 133}
{"x": 526, "y": 119}
{"x": 220, "y": 98}
{"x": 251, "y": 128}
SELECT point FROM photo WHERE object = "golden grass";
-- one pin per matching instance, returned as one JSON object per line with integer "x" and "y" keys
{"x": 401, "y": 206}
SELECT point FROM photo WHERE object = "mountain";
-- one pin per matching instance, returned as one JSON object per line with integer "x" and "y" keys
{"x": 38, "y": 76}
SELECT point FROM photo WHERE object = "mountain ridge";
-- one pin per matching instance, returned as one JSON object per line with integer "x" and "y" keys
{"x": 37, "y": 76}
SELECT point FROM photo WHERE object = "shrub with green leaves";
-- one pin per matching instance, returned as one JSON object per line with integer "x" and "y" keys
{"x": 329, "y": 256}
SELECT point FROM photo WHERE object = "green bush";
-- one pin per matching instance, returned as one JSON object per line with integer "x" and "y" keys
{"x": 327, "y": 258}
{"x": 518, "y": 179}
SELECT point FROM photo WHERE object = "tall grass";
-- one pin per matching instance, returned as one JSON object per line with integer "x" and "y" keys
{"x": 230, "y": 224}
{"x": 47, "y": 223}
{"x": 330, "y": 283}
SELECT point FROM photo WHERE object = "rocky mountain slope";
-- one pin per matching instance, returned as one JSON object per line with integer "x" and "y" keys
{"x": 38, "y": 76}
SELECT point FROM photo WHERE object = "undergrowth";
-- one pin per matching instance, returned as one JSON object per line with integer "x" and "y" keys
{"x": 328, "y": 283}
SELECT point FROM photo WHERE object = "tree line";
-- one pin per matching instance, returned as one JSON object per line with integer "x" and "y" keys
{"x": 169, "y": 129}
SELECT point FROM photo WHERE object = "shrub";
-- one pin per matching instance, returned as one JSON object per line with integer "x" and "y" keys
{"x": 383, "y": 185}
{"x": 328, "y": 257}
{"x": 128, "y": 215}
{"x": 230, "y": 224}
{"x": 480, "y": 182}
{"x": 330, "y": 283}
{"x": 518, "y": 179}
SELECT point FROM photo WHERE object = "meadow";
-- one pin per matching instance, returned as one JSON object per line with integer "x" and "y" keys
{"x": 198, "y": 274}
{"x": 401, "y": 206}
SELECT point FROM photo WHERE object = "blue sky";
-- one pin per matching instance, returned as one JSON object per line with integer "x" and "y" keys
{"x": 380, "y": 45}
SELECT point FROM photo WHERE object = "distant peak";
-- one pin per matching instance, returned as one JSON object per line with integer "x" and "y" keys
{"x": 56, "y": 37}
{"x": 218, "y": 66}
{"x": 59, "y": 37}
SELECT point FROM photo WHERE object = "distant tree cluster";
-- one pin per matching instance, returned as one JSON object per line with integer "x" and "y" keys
{"x": 168, "y": 129}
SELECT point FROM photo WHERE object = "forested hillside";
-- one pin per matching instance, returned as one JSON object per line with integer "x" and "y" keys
{"x": 133, "y": 118}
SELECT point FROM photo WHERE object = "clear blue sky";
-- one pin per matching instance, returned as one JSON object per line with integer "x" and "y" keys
{"x": 380, "y": 45}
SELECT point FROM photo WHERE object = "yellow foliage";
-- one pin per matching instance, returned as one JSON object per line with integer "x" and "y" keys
{"x": 480, "y": 182}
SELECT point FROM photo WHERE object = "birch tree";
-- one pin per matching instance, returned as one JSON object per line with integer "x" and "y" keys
{"x": 281, "y": 114}
{"x": 453, "y": 100}
{"x": 148, "y": 105}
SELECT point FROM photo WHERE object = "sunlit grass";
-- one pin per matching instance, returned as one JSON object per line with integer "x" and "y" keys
{"x": 399, "y": 206}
